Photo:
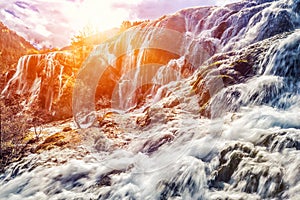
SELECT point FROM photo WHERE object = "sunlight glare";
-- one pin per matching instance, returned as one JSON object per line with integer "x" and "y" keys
{"x": 99, "y": 14}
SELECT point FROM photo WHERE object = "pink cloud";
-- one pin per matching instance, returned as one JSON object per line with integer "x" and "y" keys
{"x": 151, "y": 9}
{"x": 53, "y": 23}
{"x": 42, "y": 23}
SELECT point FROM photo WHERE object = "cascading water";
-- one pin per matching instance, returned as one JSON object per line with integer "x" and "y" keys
{"x": 45, "y": 80}
{"x": 222, "y": 122}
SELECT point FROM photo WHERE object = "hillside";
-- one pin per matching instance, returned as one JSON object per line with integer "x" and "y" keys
{"x": 12, "y": 47}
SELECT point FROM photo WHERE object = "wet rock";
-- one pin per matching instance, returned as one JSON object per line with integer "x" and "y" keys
{"x": 67, "y": 129}
{"x": 230, "y": 159}
{"x": 105, "y": 179}
{"x": 153, "y": 144}
{"x": 172, "y": 103}
{"x": 232, "y": 68}
{"x": 280, "y": 19}
{"x": 245, "y": 168}
{"x": 264, "y": 179}
{"x": 154, "y": 115}
{"x": 277, "y": 142}
{"x": 102, "y": 143}
{"x": 188, "y": 180}
{"x": 70, "y": 140}
{"x": 50, "y": 142}
{"x": 109, "y": 125}
{"x": 219, "y": 30}
{"x": 225, "y": 172}
{"x": 144, "y": 120}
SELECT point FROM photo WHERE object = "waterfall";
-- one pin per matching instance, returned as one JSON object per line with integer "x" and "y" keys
{"x": 200, "y": 104}
{"x": 45, "y": 81}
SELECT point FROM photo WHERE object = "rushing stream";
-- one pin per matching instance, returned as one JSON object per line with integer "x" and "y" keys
{"x": 201, "y": 104}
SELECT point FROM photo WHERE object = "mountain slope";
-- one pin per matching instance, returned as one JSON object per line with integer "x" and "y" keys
{"x": 12, "y": 47}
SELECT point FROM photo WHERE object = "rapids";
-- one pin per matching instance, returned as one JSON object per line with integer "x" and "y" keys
{"x": 201, "y": 104}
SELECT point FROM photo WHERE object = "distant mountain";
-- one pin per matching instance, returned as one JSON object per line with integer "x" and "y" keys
{"x": 12, "y": 47}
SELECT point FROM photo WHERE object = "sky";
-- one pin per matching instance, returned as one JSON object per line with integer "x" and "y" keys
{"x": 52, "y": 23}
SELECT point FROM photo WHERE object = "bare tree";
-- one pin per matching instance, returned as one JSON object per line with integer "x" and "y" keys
{"x": 13, "y": 131}
{"x": 81, "y": 38}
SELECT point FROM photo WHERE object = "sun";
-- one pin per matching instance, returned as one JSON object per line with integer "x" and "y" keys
{"x": 100, "y": 15}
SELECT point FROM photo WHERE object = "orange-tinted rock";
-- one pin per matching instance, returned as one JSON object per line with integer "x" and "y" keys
{"x": 64, "y": 139}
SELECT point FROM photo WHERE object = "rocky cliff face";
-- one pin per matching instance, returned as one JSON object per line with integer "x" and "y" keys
{"x": 201, "y": 104}
{"x": 45, "y": 81}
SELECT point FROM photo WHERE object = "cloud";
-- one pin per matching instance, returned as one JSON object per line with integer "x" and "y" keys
{"x": 44, "y": 23}
{"x": 151, "y": 9}
{"x": 54, "y": 22}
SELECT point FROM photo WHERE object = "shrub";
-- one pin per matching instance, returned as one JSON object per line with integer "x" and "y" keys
{"x": 13, "y": 129}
